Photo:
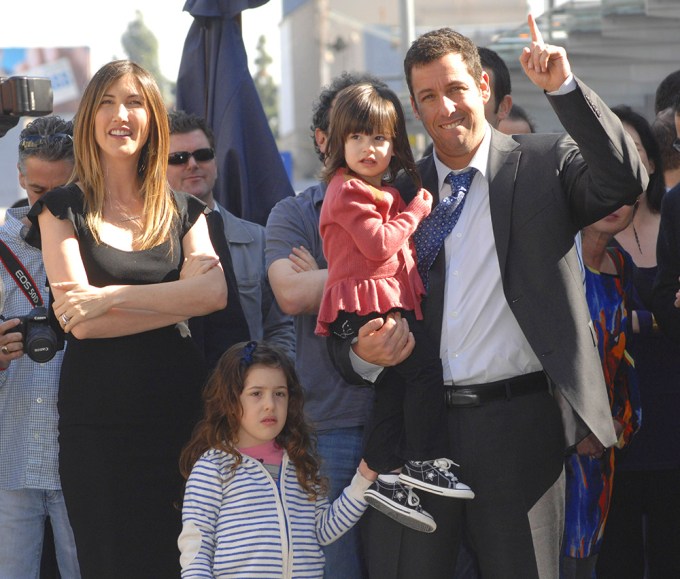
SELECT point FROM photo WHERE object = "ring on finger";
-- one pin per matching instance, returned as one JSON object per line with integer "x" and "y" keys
{"x": 4, "y": 350}
{"x": 65, "y": 319}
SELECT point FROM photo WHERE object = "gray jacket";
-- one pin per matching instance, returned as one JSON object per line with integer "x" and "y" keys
{"x": 265, "y": 319}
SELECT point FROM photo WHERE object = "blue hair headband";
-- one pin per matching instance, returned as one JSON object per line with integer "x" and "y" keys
{"x": 247, "y": 356}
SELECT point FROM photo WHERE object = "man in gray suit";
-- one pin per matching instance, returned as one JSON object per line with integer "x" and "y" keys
{"x": 506, "y": 304}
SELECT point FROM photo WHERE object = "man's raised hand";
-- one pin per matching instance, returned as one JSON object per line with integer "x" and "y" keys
{"x": 546, "y": 65}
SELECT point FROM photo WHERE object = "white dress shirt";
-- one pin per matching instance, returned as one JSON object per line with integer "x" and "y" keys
{"x": 481, "y": 340}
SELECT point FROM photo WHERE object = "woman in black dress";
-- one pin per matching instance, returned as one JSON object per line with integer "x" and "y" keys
{"x": 129, "y": 261}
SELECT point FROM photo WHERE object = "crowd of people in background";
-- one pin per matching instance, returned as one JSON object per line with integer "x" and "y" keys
{"x": 186, "y": 393}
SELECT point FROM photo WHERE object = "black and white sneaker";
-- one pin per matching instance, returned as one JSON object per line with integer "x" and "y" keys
{"x": 400, "y": 503}
{"x": 435, "y": 476}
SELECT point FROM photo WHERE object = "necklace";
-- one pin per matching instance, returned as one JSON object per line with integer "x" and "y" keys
{"x": 632, "y": 221}
{"x": 115, "y": 207}
{"x": 637, "y": 239}
{"x": 126, "y": 219}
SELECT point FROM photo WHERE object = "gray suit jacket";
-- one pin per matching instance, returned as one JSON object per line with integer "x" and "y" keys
{"x": 543, "y": 189}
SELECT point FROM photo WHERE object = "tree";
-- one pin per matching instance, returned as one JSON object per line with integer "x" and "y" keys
{"x": 264, "y": 83}
{"x": 141, "y": 46}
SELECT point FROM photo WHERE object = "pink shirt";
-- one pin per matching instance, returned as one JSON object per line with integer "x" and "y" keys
{"x": 267, "y": 453}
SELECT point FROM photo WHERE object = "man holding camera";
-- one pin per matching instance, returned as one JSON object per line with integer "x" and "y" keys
{"x": 30, "y": 489}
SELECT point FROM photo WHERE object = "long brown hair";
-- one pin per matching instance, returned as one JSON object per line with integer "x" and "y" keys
{"x": 222, "y": 413}
{"x": 160, "y": 212}
{"x": 365, "y": 109}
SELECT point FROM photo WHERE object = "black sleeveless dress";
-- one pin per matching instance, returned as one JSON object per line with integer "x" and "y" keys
{"x": 127, "y": 406}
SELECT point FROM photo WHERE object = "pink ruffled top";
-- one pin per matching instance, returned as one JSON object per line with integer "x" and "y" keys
{"x": 366, "y": 240}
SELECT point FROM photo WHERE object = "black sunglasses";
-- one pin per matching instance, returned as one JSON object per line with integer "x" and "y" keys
{"x": 182, "y": 157}
{"x": 39, "y": 141}
{"x": 676, "y": 144}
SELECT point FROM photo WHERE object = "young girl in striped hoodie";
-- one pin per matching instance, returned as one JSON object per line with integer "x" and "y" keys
{"x": 255, "y": 504}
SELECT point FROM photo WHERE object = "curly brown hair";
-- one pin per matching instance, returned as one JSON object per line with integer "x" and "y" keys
{"x": 222, "y": 413}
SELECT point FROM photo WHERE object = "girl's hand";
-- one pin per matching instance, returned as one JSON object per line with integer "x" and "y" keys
{"x": 197, "y": 264}
{"x": 80, "y": 302}
{"x": 426, "y": 195}
{"x": 366, "y": 472}
{"x": 302, "y": 260}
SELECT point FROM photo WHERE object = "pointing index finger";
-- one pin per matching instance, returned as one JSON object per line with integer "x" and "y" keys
{"x": 536, "y": 35}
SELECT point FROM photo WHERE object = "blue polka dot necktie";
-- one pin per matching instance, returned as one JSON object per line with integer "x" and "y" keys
{"x": 434, "y": 229}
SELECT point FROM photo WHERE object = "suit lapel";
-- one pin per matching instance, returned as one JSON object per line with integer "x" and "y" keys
{"x": 433, "y": 305}
{"x": 503, "y": 163}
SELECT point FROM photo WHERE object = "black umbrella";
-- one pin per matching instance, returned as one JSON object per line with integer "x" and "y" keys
{"x": 214, "y": 82}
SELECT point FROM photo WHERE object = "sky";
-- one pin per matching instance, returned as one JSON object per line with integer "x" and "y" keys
{"x": 100, "y": 25}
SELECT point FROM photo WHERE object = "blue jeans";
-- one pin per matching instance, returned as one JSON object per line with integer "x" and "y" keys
{"x": 341, "y": 450}
{"x": 22, "y": 525}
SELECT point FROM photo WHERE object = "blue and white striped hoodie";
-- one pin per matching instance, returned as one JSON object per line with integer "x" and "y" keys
{"x": 242, "y": 524}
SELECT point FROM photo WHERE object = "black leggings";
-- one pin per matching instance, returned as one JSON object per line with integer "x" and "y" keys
{"x": 409, "y": 415}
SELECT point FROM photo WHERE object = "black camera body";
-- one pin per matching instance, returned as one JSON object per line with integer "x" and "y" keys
{"x": 40, "y": 340}
{"x": 25, "y": 96}
{"x": 20, "y": 96}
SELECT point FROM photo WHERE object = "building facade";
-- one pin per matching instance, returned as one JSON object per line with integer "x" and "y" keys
{"x": 622, "y": 48}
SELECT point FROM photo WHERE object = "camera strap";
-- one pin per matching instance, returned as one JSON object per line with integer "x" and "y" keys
{"x": 22, "y": 278}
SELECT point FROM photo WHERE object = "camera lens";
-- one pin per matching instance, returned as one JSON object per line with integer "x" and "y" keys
{"x": 40, "y": 344}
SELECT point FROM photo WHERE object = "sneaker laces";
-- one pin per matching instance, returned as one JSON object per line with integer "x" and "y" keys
{"x": 412, "y": 498}
{"x": 444, "y": 465}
